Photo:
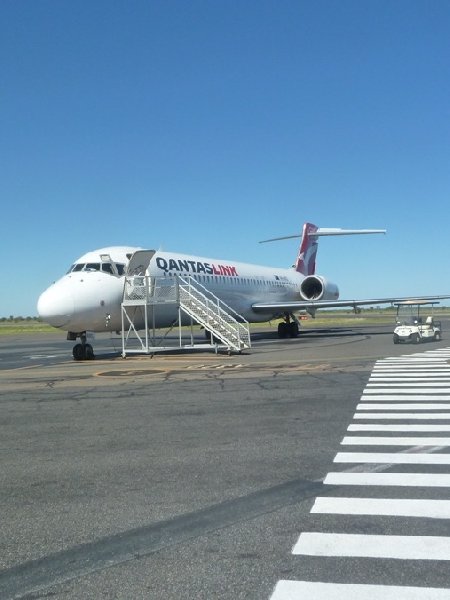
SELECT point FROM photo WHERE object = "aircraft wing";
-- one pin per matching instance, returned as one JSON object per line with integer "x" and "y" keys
{"x": 309, "y": 304}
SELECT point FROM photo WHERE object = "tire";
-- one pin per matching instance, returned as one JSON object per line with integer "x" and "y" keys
{"x": 415, "y": 338}
{"x": 437, "y": 336}
{"x": 88, "y": 352}
{"x": 78, "y": 352}
{"x": 293, "y": 329}
{"x": 395, "y": 339}
{"x": 282, "y": 330}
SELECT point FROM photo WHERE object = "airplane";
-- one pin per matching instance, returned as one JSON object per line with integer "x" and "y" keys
{"x": 87, "y": 299}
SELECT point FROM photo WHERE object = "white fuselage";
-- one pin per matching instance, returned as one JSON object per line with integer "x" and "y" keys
{"x": 89, "y": 296}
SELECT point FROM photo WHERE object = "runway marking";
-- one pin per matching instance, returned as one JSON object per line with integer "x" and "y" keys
{"x": 388, "y": 507}
{"x": 398, "y": 458}
{"x": 389, "y": 479}
{"x": 405, "y": 547}
{"x": 421, "y": 389}
{"x": 415, "y": 358}
{"x": 404, "y": 416}
{"x": 424, "y": 387}
{"x": 402, "y": 427}
{"x": 405, "y": 406}
{"x": 369, "y": 397}
{"x": 410, "y": 380}
{"x": 394, "y": 441}
{"x": 412, "y": 365}
{"x": 418, "y": 380}
{"x": 316, "y": 590}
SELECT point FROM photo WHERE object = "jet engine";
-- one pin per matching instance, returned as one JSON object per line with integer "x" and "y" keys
{"x": 314, "y": 287}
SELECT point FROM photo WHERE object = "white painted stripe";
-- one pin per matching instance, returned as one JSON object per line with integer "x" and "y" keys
{"x": 356, "y": 440}
{"x": 415, "y": 358}
{"x": 408, "y": 377}
{"x": 404, "y": 547}
{"x": 443, "y": 368}
{"x": 402, "y": 397}
{"x": 417, "y": 384}
{"x": 439, "y": 360}
{"x": 414, "y": 390}
{"x": 404, "y": 416}
{"x": 410, "y": 371}
{"x": 392, "y": 479}
{"x": 440, "y": 364}
{"x": 421, "y": 360}
{"x": 316, "y": 590}
{"x": 405, "y": 406}
{"x": 385, "y": 427}
{"x": 407, "y": 381}
{"x": 396, "y": 458}
{"x": 412, "y": 368}
{"x": 390, "y": 507}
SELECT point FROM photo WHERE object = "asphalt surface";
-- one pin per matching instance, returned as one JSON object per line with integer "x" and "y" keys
{"x": 192, "y": 476}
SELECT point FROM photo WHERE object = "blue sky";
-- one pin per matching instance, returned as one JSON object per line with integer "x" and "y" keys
{"x": 205, "y": 126}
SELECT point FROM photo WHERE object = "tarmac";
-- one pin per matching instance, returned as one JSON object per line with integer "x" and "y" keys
{"x": 184, "y": 475}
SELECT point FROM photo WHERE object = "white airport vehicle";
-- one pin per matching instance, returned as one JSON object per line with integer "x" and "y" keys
{"x": 89, "y": 297}
{"x": 413, "y": 326}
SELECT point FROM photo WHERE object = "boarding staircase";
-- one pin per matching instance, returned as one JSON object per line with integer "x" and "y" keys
{"x": 214, "y": 315}
{"x": 226, "y": 328}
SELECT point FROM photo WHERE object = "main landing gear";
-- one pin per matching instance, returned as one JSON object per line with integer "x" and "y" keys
{"x": 83, "y": 350}
{"x": 289, "y": 327}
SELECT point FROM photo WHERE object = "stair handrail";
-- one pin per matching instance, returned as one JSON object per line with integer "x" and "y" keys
{"x": 187, "y": 280}
{"x": 241, "y": 330}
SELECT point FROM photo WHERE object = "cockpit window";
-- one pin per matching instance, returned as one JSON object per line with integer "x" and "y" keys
{"x": 92, "y": 267}
{"x": 105, "y": 267}
{"x": 78, "y": 267}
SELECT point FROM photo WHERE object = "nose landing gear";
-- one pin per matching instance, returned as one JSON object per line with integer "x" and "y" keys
{"x": 84, "y": 350}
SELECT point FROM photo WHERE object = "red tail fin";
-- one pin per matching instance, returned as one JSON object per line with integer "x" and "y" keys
{"x": 306, "y": 259}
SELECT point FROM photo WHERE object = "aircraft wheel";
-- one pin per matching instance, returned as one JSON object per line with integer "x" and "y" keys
{"x": 78, "y": 352}
{"x": 293, "y": 329}
{"x": 282, "y": 330}
{"x": 88, "y": 352}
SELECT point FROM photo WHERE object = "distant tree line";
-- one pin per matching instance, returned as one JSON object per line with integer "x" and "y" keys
{"x": 13, "y": 319}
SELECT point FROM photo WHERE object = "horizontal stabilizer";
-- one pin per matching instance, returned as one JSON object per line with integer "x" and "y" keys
{"x": 323, "y": 231}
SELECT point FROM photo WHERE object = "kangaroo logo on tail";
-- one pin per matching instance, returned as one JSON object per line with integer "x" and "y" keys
{"x": 306, "y": 259}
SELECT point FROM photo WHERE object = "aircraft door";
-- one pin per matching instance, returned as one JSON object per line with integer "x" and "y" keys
{"x": 137, "y": 285}
{"x": 139, "y": 262}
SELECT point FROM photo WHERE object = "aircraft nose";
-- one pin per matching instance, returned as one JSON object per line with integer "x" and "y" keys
{"x": 55, "y": 307}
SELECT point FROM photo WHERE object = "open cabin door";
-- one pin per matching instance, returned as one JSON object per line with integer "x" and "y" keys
{"x": 139, "y": 262}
